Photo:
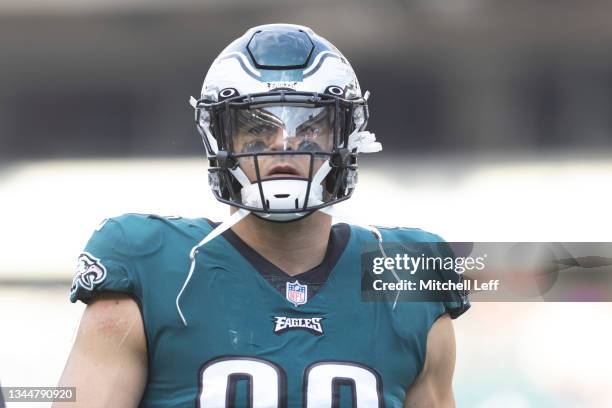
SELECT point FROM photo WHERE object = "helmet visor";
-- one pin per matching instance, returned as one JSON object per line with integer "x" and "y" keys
{"x": 282, "y": 128}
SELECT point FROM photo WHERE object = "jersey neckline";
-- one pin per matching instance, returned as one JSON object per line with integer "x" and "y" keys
{"x": 315, "y": 277}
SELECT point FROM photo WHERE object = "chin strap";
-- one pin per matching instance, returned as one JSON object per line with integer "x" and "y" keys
{"x": 234, "y": 219}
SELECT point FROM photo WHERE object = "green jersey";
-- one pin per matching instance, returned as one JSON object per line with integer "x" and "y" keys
{"x": 257, "y": 337}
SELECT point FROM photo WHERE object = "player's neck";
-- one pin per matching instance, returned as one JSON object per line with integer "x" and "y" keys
{"x": 294, "y": 247}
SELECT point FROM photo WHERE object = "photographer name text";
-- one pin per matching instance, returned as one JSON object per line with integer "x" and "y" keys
{"x": 435, "y": 285}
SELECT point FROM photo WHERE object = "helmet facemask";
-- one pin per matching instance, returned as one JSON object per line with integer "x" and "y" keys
{"x": 282, "y": 154}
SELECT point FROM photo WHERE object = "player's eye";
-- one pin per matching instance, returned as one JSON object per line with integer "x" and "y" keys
{"x": 263, "y": 130}
{"x": 254, "y": 146}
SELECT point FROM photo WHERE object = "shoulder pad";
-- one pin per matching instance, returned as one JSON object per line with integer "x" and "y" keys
{"x": 135, "y": 234}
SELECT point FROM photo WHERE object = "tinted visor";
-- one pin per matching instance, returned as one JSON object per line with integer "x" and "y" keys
{"x": 282, "y": 128}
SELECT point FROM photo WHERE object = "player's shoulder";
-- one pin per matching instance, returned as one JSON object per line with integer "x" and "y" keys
{"x": 396, "y": 234}
{"x": 141, "y": 233}
{"x": 410, "y": 234}
{"x": 152, "y": 222}
{"x": 124, "y": 249}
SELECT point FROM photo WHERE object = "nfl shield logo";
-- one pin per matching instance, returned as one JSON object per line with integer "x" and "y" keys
{"x": 296, "y": 293}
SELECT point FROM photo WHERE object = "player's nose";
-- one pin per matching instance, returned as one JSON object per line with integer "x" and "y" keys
{"x": 281, "y": 140}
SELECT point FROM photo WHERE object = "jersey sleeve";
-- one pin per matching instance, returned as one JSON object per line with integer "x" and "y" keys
{"x": 105, "y": 264}
{"x": 456, "y": 302}
{"x": 417, "y": 242}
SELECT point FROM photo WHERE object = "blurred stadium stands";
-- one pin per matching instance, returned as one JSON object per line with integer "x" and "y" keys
{"x": 99, "y": 78}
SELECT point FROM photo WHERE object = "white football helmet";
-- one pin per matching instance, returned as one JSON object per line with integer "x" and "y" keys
{"x": 283, "y": 119}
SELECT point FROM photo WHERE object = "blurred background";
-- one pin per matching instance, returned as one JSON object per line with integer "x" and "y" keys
{"x": 495, "y": 118}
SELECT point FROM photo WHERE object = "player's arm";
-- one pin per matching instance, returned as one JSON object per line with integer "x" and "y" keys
{"x": 108, "y": 361}
{"x": 433, "y": 387}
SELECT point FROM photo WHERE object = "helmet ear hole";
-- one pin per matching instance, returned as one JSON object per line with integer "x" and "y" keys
{"x": 334, "y": 90}
{"x": 227, "y": 93}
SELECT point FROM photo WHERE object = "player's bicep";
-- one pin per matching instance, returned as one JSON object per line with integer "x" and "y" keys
{"x": 433, "y": 388}
{"x": 108, "y": 361}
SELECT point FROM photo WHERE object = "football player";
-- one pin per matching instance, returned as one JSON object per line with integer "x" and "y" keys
{"x": 264, "y": 309}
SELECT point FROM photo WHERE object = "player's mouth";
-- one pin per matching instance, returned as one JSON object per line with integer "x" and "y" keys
{"x": 282, "y": 170}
